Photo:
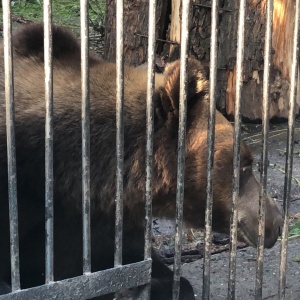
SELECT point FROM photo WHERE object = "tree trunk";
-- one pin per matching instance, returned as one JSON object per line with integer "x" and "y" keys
{"x": 135, "y": 29}
{"x": 282, "y": 42}
{"x": 168, "y": 22}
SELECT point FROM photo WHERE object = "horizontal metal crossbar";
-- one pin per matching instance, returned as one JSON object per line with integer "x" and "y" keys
{"x": 89, "y": 285}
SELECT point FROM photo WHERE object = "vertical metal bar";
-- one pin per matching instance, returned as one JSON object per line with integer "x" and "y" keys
{"x": 120, "y": 132}
{"x": 145, "y": 294}
{"x": 289, "y": 155}
{"x": 48, "y": 142}
{"x": 11, "y": 147}
{"x": 236, "y": 151}
{"x": 181, "y": 146}
{"x": 264, "y": 158}
{"x": 149, "y": 144}
{"x": 85, "y": 121}
{"x": 210, "y": 148}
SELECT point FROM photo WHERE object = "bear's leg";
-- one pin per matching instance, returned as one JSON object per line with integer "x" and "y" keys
{"x": 4, "y": 248}
{"x": 67, "y": 251}
{"x": 162, "y": 282}
{"x": 4, "y": 288}
{"x": 68, "y": 257}
{"x": 162, "y": 276}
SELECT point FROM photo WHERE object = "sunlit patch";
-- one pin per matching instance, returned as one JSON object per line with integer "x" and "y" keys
{"x": 201, "y": 83}
{"x": 279, "y": 10}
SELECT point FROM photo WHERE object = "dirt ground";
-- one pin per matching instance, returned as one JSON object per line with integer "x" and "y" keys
{"x": 246, "y": 257}
{"x": 246, "y": 270}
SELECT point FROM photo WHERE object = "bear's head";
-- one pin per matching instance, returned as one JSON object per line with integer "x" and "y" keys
{"x": 196, "y": 162}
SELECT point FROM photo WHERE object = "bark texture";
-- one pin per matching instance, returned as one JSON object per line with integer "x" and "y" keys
{"x": 282, "y": 42}
{"x": 135, "y": 29}
{"x": 168, "y": 22}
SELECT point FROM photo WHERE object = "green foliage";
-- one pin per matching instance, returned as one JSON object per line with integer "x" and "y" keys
{"x": 295, "y": 230}
{"x": 31, "y": 9}
{"x": 296, "y": 259}
{"x": 64, "y": 12}
{"x": 295, "y": 233}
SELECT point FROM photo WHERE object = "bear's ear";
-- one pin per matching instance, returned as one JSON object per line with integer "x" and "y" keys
{"x": 197, "y": 85}
{"x": 29, "y": 42}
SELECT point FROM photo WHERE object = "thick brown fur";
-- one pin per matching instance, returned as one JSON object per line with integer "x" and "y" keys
{"x": 29, "y": 42}
{"x": 30, "y": 141}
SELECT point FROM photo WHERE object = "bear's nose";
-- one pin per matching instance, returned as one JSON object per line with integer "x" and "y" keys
{"x": 272, "y": 234}
{"x": 278, "y": 222}
{"x": 279, "y": 230}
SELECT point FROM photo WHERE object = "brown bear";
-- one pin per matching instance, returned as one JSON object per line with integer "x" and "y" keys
{"x": 30, "y": 161}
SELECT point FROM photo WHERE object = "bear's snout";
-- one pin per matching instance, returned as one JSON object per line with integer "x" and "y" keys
{"x": 248, "y": 212}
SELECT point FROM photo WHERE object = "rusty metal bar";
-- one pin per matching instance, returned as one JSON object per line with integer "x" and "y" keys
{"x": 149, "y": 133}
{"x": 210, "y": 148}
{"x": 181, "y": 146}
{"x": 89, "y": 285}
{"x": 120, "y": 132}
{"x": 11, "y": 147}
{"x": 264, "y": 157}
{"x": 85, "y": 121}
{"x": 49, "y": 211}
{"x": 236, "y": 151}
{"x": 289, "y": 155}
{"x": 145, "y": 294}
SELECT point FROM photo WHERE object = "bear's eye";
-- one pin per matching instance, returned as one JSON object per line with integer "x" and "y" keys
{"x": 245, "y": 174}
{"x": 246, "y": 169}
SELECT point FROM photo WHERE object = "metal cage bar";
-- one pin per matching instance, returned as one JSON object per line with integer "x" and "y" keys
{"x": 181, "y": 146}
{"x": 89, "y": 285}
{"x": 85, "y": 119}
{"x": 289, "y": 155}
{"x": 145, "y": 294}
{"x": 149, "y": 144}
{"x": 11, "y": 147}
{"x": 210, "y": 148}
{"x": 49, "y": 210}
{"x": 120, "y": 131}
{"x": 236, "y": 151}
{"x": 264, "y": 157}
